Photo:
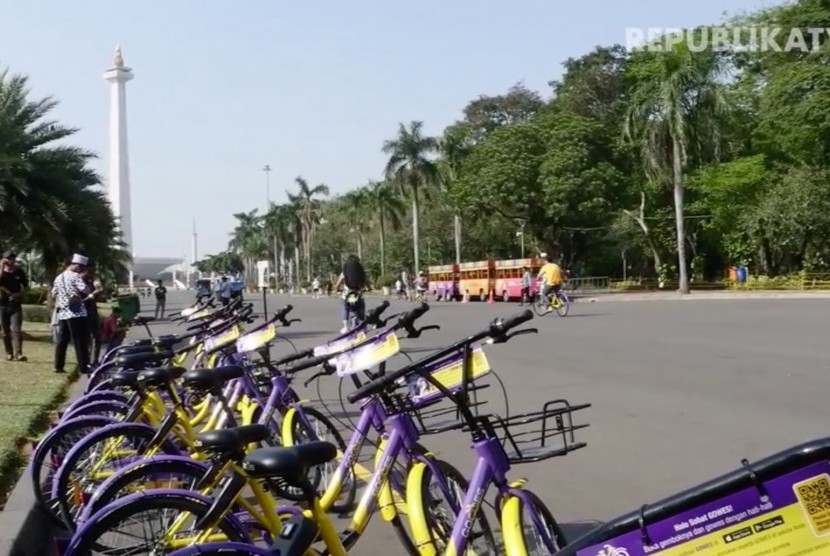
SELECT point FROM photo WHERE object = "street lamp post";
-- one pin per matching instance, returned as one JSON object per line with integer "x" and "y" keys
{"x": 521, "y": 234}
{"x": 267, "y": 171}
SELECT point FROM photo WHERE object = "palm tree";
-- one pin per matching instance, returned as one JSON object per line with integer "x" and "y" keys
{"x": 412, "y": 169}
{"x": 358, "y": 211}
{"x": 454, "y": 146}
{"x": 246, "y": 240}
{"x": 674, "y": 111}
{"x": 388, "y": 207}
{"x": 278, "y": 223}
{"x": 309, "y": 212}
{"x": 49, "y": 203}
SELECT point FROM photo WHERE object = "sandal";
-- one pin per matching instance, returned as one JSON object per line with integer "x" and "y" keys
{"x": 20, "y": 357}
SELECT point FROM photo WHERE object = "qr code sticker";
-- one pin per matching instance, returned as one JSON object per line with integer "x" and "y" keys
{"x": 814, "y": 496}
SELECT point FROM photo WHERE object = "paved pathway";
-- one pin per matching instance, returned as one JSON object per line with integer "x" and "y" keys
{"x": 681, "y": 391}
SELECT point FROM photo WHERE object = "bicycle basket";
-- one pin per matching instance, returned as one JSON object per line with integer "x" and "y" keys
{"x": 538, "y": 435}
{"x": 440, "y": 414}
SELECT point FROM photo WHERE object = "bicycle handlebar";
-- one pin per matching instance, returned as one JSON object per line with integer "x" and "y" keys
{"x": 497, "y": 330}
{"x": 373, "y": 317}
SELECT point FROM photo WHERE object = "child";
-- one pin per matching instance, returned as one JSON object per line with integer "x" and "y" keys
{"x": 113, "y": 331}
{"x": 315, "y": 288}
{"x": 399, "y": 288}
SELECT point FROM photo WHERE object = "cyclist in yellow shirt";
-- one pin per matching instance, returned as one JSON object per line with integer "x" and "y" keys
{"x": 551, "y": 276}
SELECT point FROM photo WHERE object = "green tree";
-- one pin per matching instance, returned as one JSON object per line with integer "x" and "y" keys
{"x": 674, "y": 115}
{"x": 49, "y": 201}
{"x": 412, "y": 169}
{"x": 453, "y": 147}
{"x": 308, "y": 206}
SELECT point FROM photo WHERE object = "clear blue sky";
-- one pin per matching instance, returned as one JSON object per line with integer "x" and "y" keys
{"x": 312, "y": 88}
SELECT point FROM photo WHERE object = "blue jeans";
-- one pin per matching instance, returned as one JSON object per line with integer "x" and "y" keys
{"x": 359, "y": 310}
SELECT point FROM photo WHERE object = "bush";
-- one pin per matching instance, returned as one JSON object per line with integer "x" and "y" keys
{"x": 35, "y": 296}
{"x": 37, "y": 313}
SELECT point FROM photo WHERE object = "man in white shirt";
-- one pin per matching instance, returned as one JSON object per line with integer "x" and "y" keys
{"x": 69, "y": 291}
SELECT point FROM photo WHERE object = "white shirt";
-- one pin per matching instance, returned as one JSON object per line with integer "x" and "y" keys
{"x": 67, "y": 285}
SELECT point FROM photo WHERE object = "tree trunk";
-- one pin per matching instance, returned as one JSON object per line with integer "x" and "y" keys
{"x": 457, "y": 233}
{"x": 640, "y": 219}
{"x": 382, "y": 246}
{"x": 359, "y": 246}
{"x": 296, "y": 280}
{"x": 683, "y": 286}
{"x": 276, "y": 260}
{"x": 415, "y": 238}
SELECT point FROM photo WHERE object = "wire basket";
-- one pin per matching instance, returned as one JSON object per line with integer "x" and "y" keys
{"x": 538, "y": 435}
{"x": 440, "y": 414}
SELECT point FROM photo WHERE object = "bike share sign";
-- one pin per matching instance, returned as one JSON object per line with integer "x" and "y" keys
{"x": 788, "y": 515}
{"x": 262, "y": 273}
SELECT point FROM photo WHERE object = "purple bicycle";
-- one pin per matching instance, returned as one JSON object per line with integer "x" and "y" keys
{"x": 222, "y": 516}
{"x": 104, "y": 404}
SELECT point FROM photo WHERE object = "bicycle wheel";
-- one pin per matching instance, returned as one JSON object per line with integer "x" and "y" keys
{"x": 144, "y": 519}
{"x": 564, "y": 304}
{"x": 179, "y": 472}
{"x": 93, "y": 460}
{"x": 529, "y": 528}
{"x": 109, "y": 408}
{"x": 435, "y": 503}
{"x": 316, "y": 426}
{"x": 539, "y": 306}
{"x": 228, "y": 549}
{"x": 96, "y": 396}
{"x": 49, "y": 454}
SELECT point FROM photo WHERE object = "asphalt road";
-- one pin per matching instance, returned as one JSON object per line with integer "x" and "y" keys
{"x": 681, "y": 391}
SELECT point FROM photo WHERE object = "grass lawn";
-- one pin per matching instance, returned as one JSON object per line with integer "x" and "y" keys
{"x": 28, "y": 392}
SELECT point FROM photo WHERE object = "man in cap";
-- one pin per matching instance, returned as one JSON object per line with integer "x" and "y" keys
{"x": 13, "y": 282}
{"x": 70, "y": 292}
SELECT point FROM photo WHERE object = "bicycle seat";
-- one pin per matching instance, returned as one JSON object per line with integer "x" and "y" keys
{"x": 166, "y": 341}
{"x": 125, "y": 379}
{"x": 209, "y": 379}
{"x": 291, "y": 463}
{"x": 233, "y": 440}
{"x": 139, "y": 360}
{"x": 153, "y": 378}
{"x": 143, "y": 342}
{"x": 132, "y": 350}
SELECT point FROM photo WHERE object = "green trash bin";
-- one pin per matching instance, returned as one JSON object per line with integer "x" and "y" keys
{"x": 129, "y": 306}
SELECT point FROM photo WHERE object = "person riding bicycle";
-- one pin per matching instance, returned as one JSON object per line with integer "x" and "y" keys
{"x": 353, "y": 280}
{"x": 550, "y": 276}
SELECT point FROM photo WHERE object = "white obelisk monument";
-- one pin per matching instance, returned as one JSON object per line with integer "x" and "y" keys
{"x": 118, "y": 183}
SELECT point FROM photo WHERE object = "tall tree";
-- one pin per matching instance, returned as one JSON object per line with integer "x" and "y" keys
{"x": 308, "y": 204}
{"x": 412, "y": 168}
{"x": 454, "y": 146}
{"x": 388, "y": 207}
{"x": 674, "y": 115}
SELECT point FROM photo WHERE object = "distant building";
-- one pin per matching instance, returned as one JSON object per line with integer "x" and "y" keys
{"x": 153, "y": 268}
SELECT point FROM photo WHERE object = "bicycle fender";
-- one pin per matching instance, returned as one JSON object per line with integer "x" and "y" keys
{"x": 386, "y": 499}
{"x": 415, "y": 505}
{"x": 287, "y": 430}
{"x": 89, "y": 508}
{"x": 95, "y": 396}
{"x": 81, "y": 532}
{"x": 511, "y": 526}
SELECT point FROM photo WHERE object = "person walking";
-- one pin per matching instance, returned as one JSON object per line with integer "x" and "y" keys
{"x": 69, "y": 292}
{"x": 13, "y": 282}
{"x": 92, "y": 317}
{"x": 524, "y": 297}
{"x": 225, "y": 291}
{"x": 161, "y": 299}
